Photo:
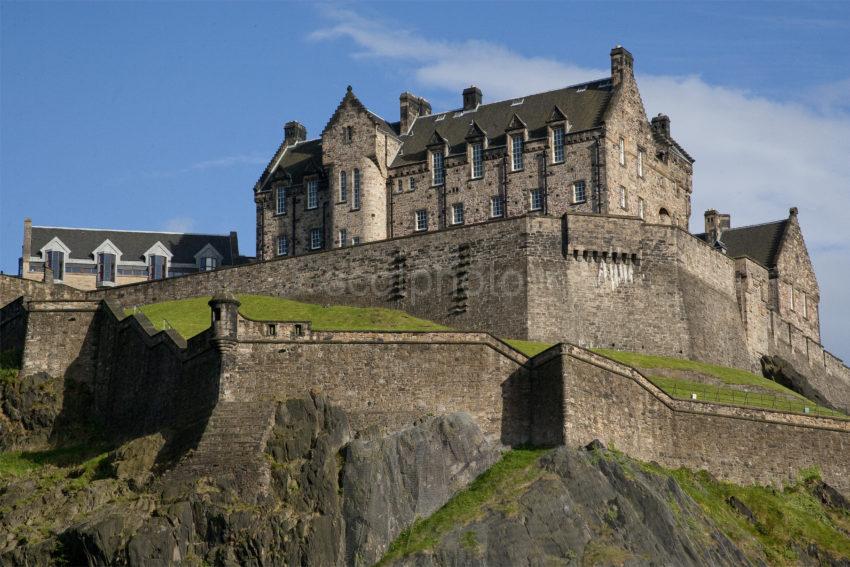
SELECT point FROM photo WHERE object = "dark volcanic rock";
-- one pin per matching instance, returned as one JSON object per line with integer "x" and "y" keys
{"x": 783, "y": 372}
{"x": 588, "y": 508}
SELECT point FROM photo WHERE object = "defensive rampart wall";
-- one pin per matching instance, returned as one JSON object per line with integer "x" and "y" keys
{"x": 596, "y": 398}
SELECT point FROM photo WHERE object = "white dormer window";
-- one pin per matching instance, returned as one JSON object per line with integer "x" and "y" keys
{"x": 106, "y": 268}
{"x": 208, "y": 258}
{"x": 438, "y": 169}
{"x": 516, "y": 152}
{"x": 312, "y": 193}
{"x": 477, "y": 151}
{"x": 55, "y": 260}
{"x": 558, "y": 144}
{"x": 157, "y": 267}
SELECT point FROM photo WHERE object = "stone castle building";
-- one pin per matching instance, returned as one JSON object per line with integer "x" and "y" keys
{"x": 586, "y": 148}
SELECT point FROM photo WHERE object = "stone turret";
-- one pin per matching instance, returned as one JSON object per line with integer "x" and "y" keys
{"x": 224, "y": 313}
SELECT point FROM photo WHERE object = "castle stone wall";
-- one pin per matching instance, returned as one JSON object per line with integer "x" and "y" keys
{"x": 390, "y": 379}
{"x": 11, "y": 288}
{"x": 608, "y": 401}
{"x": 469, "y": 278}
{"x": 147, "y": 380}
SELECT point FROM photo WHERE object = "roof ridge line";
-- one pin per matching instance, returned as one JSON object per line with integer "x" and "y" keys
{"x": 753, "y": 225}
{"x": 130, "y": 231}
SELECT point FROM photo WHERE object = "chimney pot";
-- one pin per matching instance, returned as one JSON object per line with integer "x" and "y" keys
{"x": 622, "y": 64}
{"x": 294, "y": 132}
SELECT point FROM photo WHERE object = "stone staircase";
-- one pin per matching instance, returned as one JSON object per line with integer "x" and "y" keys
{"x": 231, "y": 448}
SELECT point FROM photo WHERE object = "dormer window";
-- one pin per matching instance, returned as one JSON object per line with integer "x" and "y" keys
{"x": 208, "y": 264}
{"x": 477, "y": 159}
{"x": 157, "y": 267}
{"x": 56, "y": 262}
{"x": 438, "y": 168}
{"x": 105, "y": 268}
{"x": 558, "y": 144}
{"x": 517, "y": 142}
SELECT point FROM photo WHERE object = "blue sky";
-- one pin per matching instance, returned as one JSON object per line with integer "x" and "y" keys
{"x": 162, "y": 115}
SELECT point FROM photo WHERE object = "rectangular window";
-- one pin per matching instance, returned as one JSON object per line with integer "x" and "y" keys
{"x": 438, "y": 171}
{"x": 516, "y": 152}
{"x": 622, "y": 152}
{"x": 558, "y": 144}
{"x": 400, "y": 185}
{"x": 640, "y": 163}
{"x": 579, "y": 192}
{"x": 804, "y": 302}
{"x": 623, "y": 199}
{"x": 497, "y": 206}
{"x": 477, "y": 160}
{"x": 457, "y": 213}
{"x": 411, "y": 184}
{"x": 282, "y": 246}
{"x": 280, "y": 206}
{"x": 56, "y": 262}
{"x": 315, "y": 238}
{"x": 106, "y": 267}
{"x": 343, "y": 237}
{"x": 641, "y": 207}
{"x": 157, "y": 268}
{"x": 355, "y": 240}
{"x": 208, "y": 264}
{"x": 355, "y": 197}
{"x": 536, "y": 199}
{"x": 312, "y": 193}
{"x": 421, "y": 220}
{"x": 343, "y": 186}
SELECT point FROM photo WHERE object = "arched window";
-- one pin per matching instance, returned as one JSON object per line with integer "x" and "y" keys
{"x": 664, "y": 215}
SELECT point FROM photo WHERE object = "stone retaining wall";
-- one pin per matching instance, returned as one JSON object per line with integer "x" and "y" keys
{"x": 601, "y": 399}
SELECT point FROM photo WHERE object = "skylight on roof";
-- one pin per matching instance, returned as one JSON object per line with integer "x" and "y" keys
{"x": 440, "y": 117}
{"x": 518, "y": 101}
{"x": 581, "y": 89}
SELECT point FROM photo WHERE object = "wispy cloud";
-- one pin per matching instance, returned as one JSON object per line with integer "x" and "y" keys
{"x": 178, "y": 224}
{"x": 225, "y": 162}
{"x": 756, "y": 157}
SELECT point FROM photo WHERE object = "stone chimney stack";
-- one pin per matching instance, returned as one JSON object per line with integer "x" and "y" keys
{"x": 410, "y": 108}
{"x": 294, "y": 132}
{"x": 26, "y": 248}
{"x": 234, "y": 246}
{"x": 622, "y": 65}
{"x": 472, "y": 98}
{"x": 715, "y": 224}
{"x": 661, "y": 124}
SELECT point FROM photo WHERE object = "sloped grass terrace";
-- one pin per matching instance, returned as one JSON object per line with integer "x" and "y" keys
{"x": 192, "y": 316}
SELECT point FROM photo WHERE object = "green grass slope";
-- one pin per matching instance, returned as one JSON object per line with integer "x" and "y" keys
{"x": 191, "y": 316}
{"x": 763, "y": 393}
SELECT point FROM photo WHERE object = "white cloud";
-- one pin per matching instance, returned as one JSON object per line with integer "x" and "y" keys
{"x": 179, "y": 224}
{"x": 755, "y": 157}
{"x": 228, "y": 161}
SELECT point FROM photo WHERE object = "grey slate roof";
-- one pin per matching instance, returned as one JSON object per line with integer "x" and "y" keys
{"x": 295, "y": 160}
{"x": 83, "y": 241}
{"x": 759, "y": 242}
{"x": 582, "y": 104}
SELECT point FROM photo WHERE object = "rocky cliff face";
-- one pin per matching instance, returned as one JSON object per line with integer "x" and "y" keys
{"x": 328, "y": 498}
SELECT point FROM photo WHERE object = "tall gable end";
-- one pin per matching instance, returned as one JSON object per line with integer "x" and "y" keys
{"x": 350, "y": 100}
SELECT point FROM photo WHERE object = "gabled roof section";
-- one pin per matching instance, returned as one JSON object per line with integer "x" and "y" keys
{"x": 475, "y": 132}
{"x": 436, "y": 140}
{"x": 516, "y": 123}
{"x": 759, "y": 242}
{"x": 584, "y": 104}
{"x": 351, "y": 98}
{"x": 557, "y": 115}
{"x": 133, "y": 244}
{"x": 293, "y": 162}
